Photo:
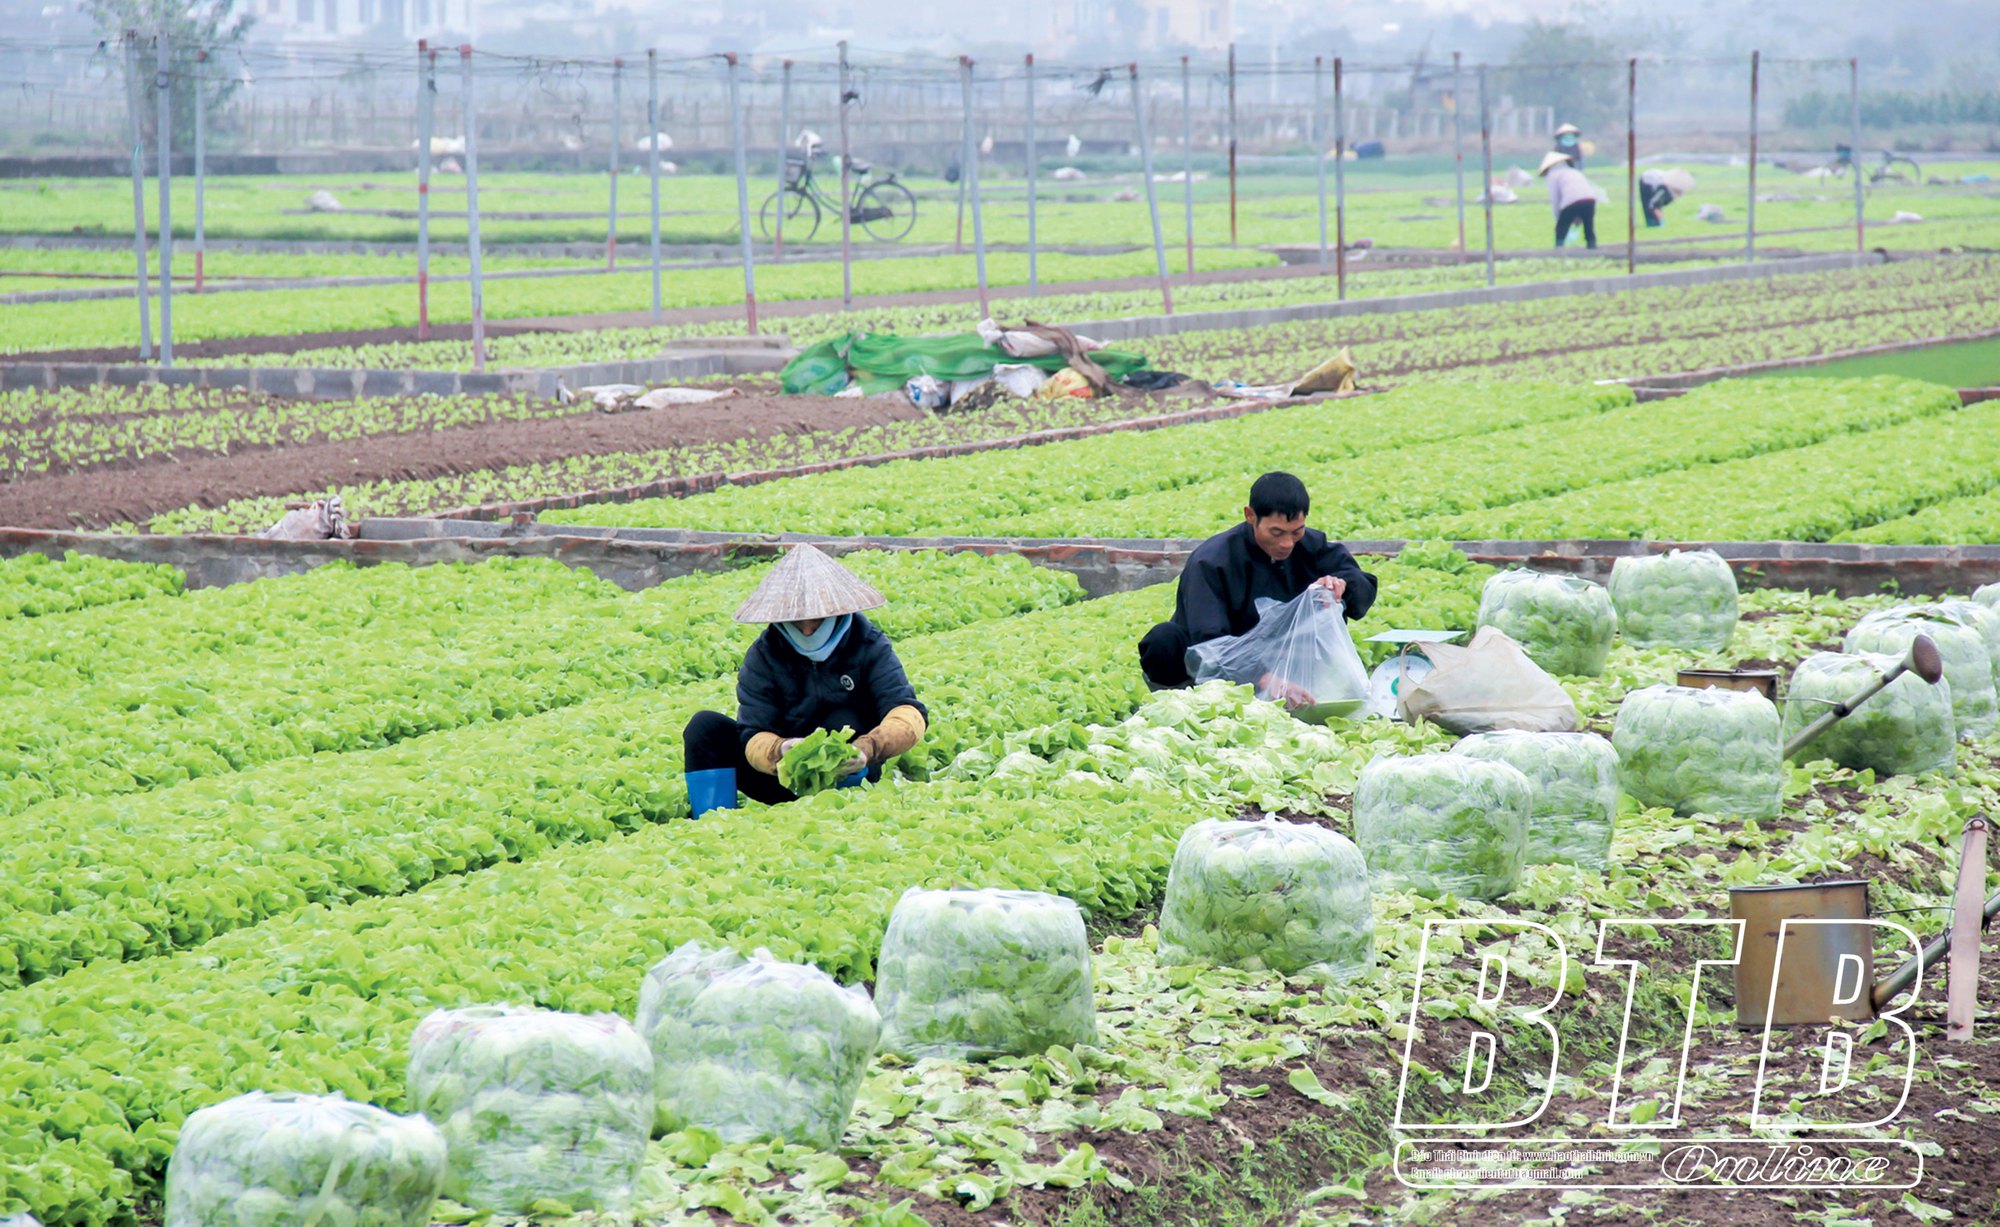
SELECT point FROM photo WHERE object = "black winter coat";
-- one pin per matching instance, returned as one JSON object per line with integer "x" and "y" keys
{"x": 779, "y": 691}
{"x": 1228, "y": 572}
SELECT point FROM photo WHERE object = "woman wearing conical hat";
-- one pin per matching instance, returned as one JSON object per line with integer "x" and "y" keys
{"x": 818, "y": 665}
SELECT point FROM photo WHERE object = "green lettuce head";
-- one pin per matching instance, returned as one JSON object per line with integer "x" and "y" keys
{"x": 755, "y": 1050}
{"x": 1436, "y": 824}
{"x": 280, "y": 1160}
{"x": 535, "y": 1105}
{"x": 1564, "y": 624}
{"x": 1696, "y": 751}
{"x": 1574, "y": 777}
{"x": 1682, "y": 599}
{"x": 977, "y": 974}
{"x": 1906, "y": 729}
{"x": 1278, "y": 895}
{"x": 1975, "y": 707}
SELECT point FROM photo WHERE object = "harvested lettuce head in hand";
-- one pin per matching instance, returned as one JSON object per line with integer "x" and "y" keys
{"x": 1436, "y": 824}
{"x": 1906, "y": 729}
{"x": 755, "y": 1050}
{"x": 265, "y": 1160}
{"x": 818, "y": 762}
{"x": 1564, "y": 624}
{"x": 535, "y": 1105}
{"x": 1271, "y": 895}
{"x": 1967, "y": 666}
{"x": 1682, "y": 599}
{"x": 977, "y": 974}
{"x": 1575, "y": 781}
{"x": 1701, "y": 751}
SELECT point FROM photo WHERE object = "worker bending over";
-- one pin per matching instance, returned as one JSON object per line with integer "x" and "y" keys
{"x": 1270, "y": 555}
{"x": 1572, "y": 196}
{"x": 819, "y": 665}
{"x": 1660, "y": 188}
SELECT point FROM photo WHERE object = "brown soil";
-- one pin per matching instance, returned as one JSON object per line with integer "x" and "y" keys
{"x": 95, "y": 499}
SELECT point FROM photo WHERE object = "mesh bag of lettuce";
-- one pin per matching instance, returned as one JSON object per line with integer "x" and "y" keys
{"x": 280, "y": 1160}
{"x": 1681, "y": 599}
{"x": 1564, "y": 624}
{"x": 1574, "y": 778}
{"x": 977, "y": 974}
{"x": 1700, "y": 751}
{"x": 1282, "y": 896}
{"x": 757, "y": 1050}
{"x": 1436, "y": 824}
{"x": 1988, "y": 595}
{"x": 535, "y": 1105}
{"x": 23, "y": 1219}
{"x": 1906, "y": 729}
{"x": 1974, "y": 616}
{"x": 1975, "y": 708}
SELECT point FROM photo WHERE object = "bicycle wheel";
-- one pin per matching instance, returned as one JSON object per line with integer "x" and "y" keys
{"x": 886, "y": 210}
{"x": 1899, "y": 170}
{"x": 801, "y": 216}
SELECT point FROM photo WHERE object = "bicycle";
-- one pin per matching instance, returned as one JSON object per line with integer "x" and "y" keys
{"x": 1893, "y": 169}
{"x": 884, "y": 208}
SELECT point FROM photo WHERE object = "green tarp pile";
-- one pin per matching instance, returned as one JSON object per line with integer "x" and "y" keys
{"x": 883, "y": 362}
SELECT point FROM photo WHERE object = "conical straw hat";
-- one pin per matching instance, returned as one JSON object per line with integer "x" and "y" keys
{"x": 1552, "y": 158}
{"x": 807, "y": 584}
{"x": 1568, "y": 130}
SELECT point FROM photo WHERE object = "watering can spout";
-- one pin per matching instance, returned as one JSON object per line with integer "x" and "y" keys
{"x": 1920, "y": 658}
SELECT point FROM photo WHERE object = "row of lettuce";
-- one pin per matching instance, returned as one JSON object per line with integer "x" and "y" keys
{"x": 1426, "y": 462}
{"x": 112, "y": 1056}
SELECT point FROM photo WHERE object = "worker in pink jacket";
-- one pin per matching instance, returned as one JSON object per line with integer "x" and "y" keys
{"x": 1572, "y": 196}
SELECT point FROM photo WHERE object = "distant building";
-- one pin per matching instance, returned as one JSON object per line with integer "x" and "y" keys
{"x": 355, "y": 21}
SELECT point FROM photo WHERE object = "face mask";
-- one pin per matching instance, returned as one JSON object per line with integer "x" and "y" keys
{"x": 819, "y": 645}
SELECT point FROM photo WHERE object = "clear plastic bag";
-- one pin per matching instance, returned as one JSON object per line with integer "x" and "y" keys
{"x": 1682, "y": 598}
{"x": 1488, "y": 684}
{"x": 976, "y": 974}
{"x": 755, "y": 1050}
{"x": 1563, "y": 623}
{"x": 1975, "y": 707}
{"x": 1436, "y": 824}
{"x": 1285, "y": 896}
{"x": 265, "y": 1160}
{"x": 1701, "y": 751}
{"x": 1906, "y": 729}
{"x": 1299, "y": 654}
{"x": 1988, "y": 595}
{"x": 534, "y": 1104}
{"x": 1575, "y": 781}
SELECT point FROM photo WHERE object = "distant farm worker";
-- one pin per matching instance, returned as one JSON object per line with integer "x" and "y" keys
{"x": 1660, "y": 188}
{"x": 819, "y": 665}
{"x": 1569, "y": 143}
{"x": 1572, "y": 197}
{"x": 1272, "y": 555}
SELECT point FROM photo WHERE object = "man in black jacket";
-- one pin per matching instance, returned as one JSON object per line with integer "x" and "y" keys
{"x": 819, "y": 665}
{"x": 1271, "y": 554}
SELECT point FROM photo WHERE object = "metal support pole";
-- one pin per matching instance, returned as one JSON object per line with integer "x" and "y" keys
{"x": 163, "y": 88}
{"x": 846, "y": 210}
{"x": 743, "y": 198}
{"x": 617, "y": 103}
{"x": 426, "y": 105}
{"x": 1187, "y": 163}
{"x": 1152, "y": 190}
{"x": 653, "y": 166}
{"x": 784, "y": 147}
{"x": 1458, "y": 146}
{"x": 1750, "y": 204}
{"x": 138, "y": 193}
{"x": 1854, "y": 143}
{"x": 969, "y": 181}
{"x": 1232, "y": 144}
{"x": 1486, "y": 169}
{"x": 472, "y": 210}
{"x": 1034, "y": 246}
{"x": 1317, "y": 140}
{"x": 1631, "y": 165}
{"x": 1339, "y": 185}
{"x": 200, "y": 168}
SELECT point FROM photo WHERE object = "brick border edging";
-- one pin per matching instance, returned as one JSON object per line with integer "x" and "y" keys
{"x": 1101, "y": 566}
{"x": 703, "y": 483}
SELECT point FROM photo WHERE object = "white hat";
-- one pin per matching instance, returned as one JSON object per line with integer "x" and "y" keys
{"x": 806, "y": 584}
{"x": 1552, "y": 158}
{"x": 1568, "y": 130}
